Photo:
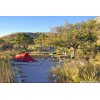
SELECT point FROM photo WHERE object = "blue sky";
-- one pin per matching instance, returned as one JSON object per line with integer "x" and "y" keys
{"x": 9, "y": 24}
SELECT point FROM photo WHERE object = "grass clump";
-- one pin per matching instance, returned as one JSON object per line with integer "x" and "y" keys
{"x": 76, "y": 74}
{"x": 6, "y": 71}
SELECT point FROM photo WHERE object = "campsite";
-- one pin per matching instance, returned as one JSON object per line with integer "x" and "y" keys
{"x": 69, "y": 53}
{"x": 32, "y": 70}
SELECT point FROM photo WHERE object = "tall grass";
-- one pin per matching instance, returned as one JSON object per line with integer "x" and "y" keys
{"x": 6, "y": 71}
{"x": 66, "y": 73}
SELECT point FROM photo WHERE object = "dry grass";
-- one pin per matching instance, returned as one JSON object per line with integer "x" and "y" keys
{"x": 95, "y": 61}
{"x": 75, "y": 73}
{"x": 6, "y": 72}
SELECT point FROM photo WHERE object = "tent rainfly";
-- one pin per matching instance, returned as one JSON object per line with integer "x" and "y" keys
{"x": 24, "y": 57}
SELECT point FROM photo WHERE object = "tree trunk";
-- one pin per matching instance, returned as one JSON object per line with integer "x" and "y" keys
{"x": 25, "y": 48}
{"x": 73, "y": 54}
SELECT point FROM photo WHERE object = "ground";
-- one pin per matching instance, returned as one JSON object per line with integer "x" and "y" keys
{"x": 38, "y": 72}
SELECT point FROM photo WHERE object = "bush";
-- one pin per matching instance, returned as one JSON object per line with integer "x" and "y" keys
{"x": 6, "y": 72}
{"x": 66, "y": 73}
{"x": 7, "y": 46}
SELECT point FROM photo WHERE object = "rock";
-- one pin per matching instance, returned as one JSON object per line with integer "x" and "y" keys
{"x": 17, "y": 72}
{"x": 19, "y": 80}
{"x": 16, "y": 68}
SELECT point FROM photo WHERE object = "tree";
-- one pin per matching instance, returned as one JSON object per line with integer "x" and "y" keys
{"x": 83, "y": 35}
{"x": 42, "y": 40}
{"x": 24, "y": 40}
{"x": 72, "y": 40}
{"x": 88, "y": 37}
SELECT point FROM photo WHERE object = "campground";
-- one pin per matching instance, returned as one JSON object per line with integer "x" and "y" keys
{"x": 67, "y": 54}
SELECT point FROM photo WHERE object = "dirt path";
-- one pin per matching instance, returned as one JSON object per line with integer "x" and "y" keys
{"x": 37, "y": 73}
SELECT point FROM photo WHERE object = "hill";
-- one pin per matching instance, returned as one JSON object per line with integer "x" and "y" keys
{"x": 12, "y": 36}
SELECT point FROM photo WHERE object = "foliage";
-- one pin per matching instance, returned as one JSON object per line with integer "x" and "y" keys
{"x": 24, "y": 40}
{"x": 6, "y": 72}
{"x": 6, "y": 46}
{"x": 66, "y": 73}
{"x": 81, "y": 35}
{"x": 2, "y": 41}
{"x": 41, "y": 39}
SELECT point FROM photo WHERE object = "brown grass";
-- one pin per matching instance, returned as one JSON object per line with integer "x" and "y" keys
{"x": 76, "y": 73}
{"x": 6, "y": 71}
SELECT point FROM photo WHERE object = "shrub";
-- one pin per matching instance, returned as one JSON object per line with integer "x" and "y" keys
{"x": 6, "y": 72}
{"x": 66, "y": 73}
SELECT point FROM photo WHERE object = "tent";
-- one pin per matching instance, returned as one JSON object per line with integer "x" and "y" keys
{"x": 24, "y": 57}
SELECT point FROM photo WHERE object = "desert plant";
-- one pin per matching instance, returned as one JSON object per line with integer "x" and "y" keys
{"x": 66, "y": 73}
{"x": 6, "y": 72}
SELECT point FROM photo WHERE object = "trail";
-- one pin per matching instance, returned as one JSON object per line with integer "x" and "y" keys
{"x": 37, "y": 73}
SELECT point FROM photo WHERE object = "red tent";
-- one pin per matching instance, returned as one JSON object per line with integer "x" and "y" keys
{"x": 24, "y": 57}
